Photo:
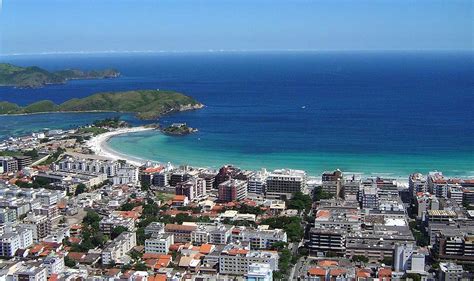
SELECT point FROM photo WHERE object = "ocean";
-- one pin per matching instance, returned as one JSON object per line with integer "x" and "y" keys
{"x": 376, "y": 113}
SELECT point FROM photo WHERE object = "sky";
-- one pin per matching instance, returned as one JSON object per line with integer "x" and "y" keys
{"x": 49, "y": 26}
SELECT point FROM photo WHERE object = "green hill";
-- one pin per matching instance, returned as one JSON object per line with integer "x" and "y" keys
{"x": 35, "y": 77}
{"x": 147, "y": 104}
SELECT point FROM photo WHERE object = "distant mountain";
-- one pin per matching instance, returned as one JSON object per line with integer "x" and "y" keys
{"x": 35, "y": 77}
{"x": 147, "y": 104}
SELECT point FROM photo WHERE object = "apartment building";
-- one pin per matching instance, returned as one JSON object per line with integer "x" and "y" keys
{"x": 261, "y": 238}
{"x": 39, "y": 225}
{"x": 417, "y": 183}
{"x": 13, "y": 239}
{"x": 454, "y": 244}
{"x": 107, "y": 224}
{"x": 121, "y": 245}
{"x": 155, "y": 229}
{"x": 232, "y": 190}
{"x": 54, "y": 264}
{"x": 193, "y": 188}
{"x": 182, "y": 233}
{"x": 406, "y": 258}
{"x": 31, "y": 273}
{"x": 257, "y": 183}
{"x": 284, "y": 183}
{"x": 211, "y": 233}
{"x": 8, "y": 165}
{"x": 324, "y": 240}
{"x": 331, "y": 183}
{"x": 236, "y": 260}
{"x": 159, "y": 244}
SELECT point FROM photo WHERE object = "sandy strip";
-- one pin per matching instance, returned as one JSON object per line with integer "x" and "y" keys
{"x": 98, "y": 144}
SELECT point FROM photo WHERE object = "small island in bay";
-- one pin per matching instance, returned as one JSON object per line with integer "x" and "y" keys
{"x": 178, "y": 129}
{"x": 35, "y": 77}
{"x": 146, "y": 104}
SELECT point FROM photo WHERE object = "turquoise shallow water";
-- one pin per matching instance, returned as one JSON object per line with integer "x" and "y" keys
{"x": 161, "y": 148}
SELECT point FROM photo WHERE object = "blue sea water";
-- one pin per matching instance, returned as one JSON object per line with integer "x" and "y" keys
{"x": 370, "y": 112}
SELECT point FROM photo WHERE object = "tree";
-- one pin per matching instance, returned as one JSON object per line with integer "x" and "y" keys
{"x": 69, "y": 262}
{"x": 387, "y": 261}
{"x": 320, "y": 194}
{"x": 80, "y": 188}
{"x": 127, "y": 206}
{"x": 360, "y": 258}
{"x": 144, "y": 186}
{"x": 300, "y": 201}
{"x": 291, "y": 225}
{"x": 32, "y": 153}
{"x": 116, "y": 231}
{"x": 413, "y": 276}
{"x": 140, "y": 266}
{"x": 278, "y": 246}
{"x": 92, "y": 220}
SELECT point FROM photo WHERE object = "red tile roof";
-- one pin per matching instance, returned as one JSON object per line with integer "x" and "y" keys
{"x": 317, "y": 271}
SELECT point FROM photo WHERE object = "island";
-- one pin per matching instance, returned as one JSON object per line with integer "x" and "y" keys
{"x": 35, "y": 77}
{"x": 146, "y": 104}
{"x": 178, "y": 129}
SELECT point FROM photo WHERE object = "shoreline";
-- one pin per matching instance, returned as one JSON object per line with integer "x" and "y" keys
{"x": 98, "y": 145}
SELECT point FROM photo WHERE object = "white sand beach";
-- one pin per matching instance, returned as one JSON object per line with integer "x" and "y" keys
{"x": 98, "y": 144}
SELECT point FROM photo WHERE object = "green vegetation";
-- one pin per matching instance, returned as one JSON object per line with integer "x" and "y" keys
{"x": 91, "y": 236}
{"x": 35, "y": 77}
{"x": 178, "y": 130}
{"x": 80, "y": 188}
{"x": 32, "y": 153}
{"x": 92, "y": 130}
{"x": 53, "y": 157}
{"x": 300, "y": 201}
{"x": 291, "y": 225}
{"x": 320, "y": 194}
{"x": 37, "y": 183}
{"x": 116, "y": 231}
{"x": 246, "y": 209}
{"x": 467, "y": 205}
{"x": 286, "y": 261}
{"x": 69, "y": 262}
{"x": 421, "y": 238}
{"x": 358, "y": 258}
{"x": 10, "y": 153}
{"x": 413, "y": 276}
{"x": 387, "y": 261}
{"x": 110, "y": 123}
{"x": 147, "y": 104}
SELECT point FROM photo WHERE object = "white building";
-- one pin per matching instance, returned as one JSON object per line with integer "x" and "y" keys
{"x": 119, "y": 247}
{"x": 160, "y": 244}
{"x": 54, "y": 264}
{"x": 283, "y": 183}
{"x": 126, "y": 174}
{"x": 12, "y": 240}
{"x": 257, "y": 182}
{"x": 239, "y": 264}
{"x": 31, "y": 273}
{"x": 211, "y": 233}
{"x": 407, "y": 259}
{"x": 450, "y": 272}
{"x": 370, "y": 197}
{"x": 259, "y": 272}
{"x": 259, "y": 238}
{"x": 107, "y": 224}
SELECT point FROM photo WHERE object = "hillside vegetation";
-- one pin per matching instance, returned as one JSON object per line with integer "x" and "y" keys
{"x": 35, "y": 77}
{"x": 147, "y": 104}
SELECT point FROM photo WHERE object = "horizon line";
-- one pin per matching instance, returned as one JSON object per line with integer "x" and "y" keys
{"x": 226, "y": 51}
